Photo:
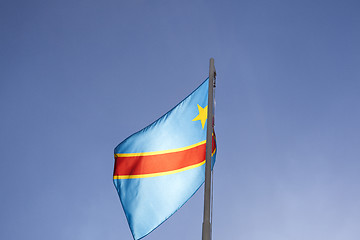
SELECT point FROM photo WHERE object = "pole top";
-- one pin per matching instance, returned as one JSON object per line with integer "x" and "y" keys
{"x": 212, "y": 70}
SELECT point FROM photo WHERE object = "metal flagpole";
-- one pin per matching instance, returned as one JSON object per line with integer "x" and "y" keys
{"x": 206, "y": 228}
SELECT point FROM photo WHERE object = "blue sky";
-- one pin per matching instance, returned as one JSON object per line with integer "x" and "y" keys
{"x": 77, "y": 77}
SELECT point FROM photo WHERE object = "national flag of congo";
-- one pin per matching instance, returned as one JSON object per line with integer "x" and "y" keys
{"x": 160, "y": 167}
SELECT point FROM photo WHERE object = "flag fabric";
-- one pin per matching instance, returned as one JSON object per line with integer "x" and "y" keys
{"x": 160, "y": 167}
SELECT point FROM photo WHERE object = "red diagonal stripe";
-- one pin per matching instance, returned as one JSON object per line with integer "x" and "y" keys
{"x": 159, "y": 163}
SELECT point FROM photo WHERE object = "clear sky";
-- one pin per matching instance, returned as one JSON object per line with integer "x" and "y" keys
{"x": 77, "y": 77}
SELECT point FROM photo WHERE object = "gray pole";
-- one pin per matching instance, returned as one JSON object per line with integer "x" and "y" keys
{"x": 206, "y": 230}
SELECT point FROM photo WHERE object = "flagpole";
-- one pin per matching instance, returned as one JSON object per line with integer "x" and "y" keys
{"x": 206, "y": 228}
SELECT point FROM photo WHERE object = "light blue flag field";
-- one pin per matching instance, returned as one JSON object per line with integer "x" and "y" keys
{"x": 160, "y": 167}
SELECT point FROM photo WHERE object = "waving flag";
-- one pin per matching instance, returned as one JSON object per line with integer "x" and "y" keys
{"x": 160, "y": 167}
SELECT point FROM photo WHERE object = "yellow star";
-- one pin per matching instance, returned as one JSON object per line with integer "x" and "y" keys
{"x": 202, "y": 115}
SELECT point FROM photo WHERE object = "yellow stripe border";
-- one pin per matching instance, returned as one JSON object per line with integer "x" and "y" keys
{"x": 158, "y": 152}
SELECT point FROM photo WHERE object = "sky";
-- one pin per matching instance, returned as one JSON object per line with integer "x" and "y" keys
{"x": 78, "y": 77}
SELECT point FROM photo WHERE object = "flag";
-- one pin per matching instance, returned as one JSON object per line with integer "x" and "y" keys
{"x": 160, "y": 167}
